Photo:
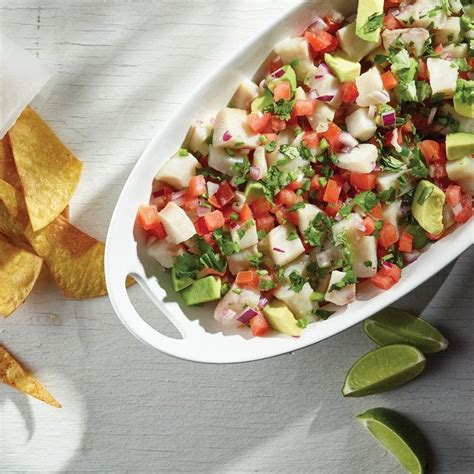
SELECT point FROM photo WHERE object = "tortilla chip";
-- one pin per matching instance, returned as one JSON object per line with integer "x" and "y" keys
{"x": 75, "y": 259}
{"x": 13, "y": 213}
{"x": 7, "y": 164}
{"x": 13, "y": 374}
{"x": 65, "y": 213}
{"x": 19, "y": 271}
{"x": 49, "y": 172}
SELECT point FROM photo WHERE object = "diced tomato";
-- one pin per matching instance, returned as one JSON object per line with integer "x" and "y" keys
{"x": 430, "y": 150}
{"x": 293, "y": 120}
{"x": 277, "y": 125}
{"x": 294, "y": 185}
{"x": 388, "y": 235}
{"x": 190, "y": 203}
{"x": 315, "y": 184}
{"x": 333, "y": 208}
{"x": 305, "y": 107}
{"x": 387, "y": 276}
{"x": 453, "y": 194}
{"x": 148, "y": 217}
{"x": 422, "y": 70}
{"x": 197, "y": 185}
{"x": 259, "y": 325}
{"x": 158, "y": 231}
{"x": 369, "y": 225}
{"x": 405, "y": 244}
{"x": 270, "y": 137}
{"x": 438, "y": 49}
{"x": 311, "y": 139}
{"x": 391, "y": 23}
{"x": 376, "y": 211}
{"x": 333, "y": 26}
{"x": 258, "y": 122}
{"x": 224, "y": 194}
{"x": 266, "y": 223}
{"x": 389, "y": 136}
{"x": 260, "y": 207}
{"x": 286, "y": 197}
{"x": 245, "y": 213}
{"x": 283, "y": 215}
{"x": 332, "y": 136}
{"x": 227, "y": 211}
{"x": 206, "y": 271}
{"x": 248, "y": 279}
{"x": 214, "y": 220}
{"x": 363, "y": 181}
{"x": 332, "y": 191}
{"x": 466, "y": 212}
{"x": 349, "y": 92}
{"x": 201, "y": 226}
{"x": 389, "y": 80}
{"x": 407, "y": 127}
{"x": 282, "y": 91}
{"x": 321, "y": 41}
{"x": 275, "y": 64}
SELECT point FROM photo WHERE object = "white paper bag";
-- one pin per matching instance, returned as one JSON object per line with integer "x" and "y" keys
{"x": 22, "y": 77}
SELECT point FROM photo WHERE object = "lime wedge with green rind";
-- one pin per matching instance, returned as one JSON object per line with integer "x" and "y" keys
{"x": 395, "y": 326}
{"x": 383, "y": 369}
{"x": 398, "y": 435}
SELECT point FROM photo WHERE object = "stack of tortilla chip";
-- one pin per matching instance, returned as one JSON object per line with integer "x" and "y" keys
{"x": 38, "y": 177}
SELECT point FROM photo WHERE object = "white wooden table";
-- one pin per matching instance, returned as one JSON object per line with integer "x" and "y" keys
{"x": 123, "y": 66}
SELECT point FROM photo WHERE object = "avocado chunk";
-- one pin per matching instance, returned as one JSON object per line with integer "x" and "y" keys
{"x": 369, "y": 19}
{"x": 459, "y": 145}
{"x": 281, "y": 319}
{"x": 254, "y": 191}
{"x": 407, "y": 92}
{"x": 180, "y": 283}
{"x": 203, "y": 290}
{"x": 342, "y": 67}
{"x": 427, "y": 207}
{"x": 463, "y": 99}
{"x": 261, "y": 102}
{"x": 289, "y": 75}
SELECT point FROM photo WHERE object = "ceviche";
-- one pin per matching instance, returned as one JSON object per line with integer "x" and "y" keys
{"x": 350, "y": 156}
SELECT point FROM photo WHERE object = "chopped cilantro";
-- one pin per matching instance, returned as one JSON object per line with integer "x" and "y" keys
{"x": 297, "y": 281}
{"x": 297, "y": 205}
{"x": 187, "y": 266}
{"x": 323, "y": 313}
{"x": 425, "y": 194}
{"x": 241, "y": 169}
{"x": 229, "y": 152}
{"x": 417, "y": 165}
{"x": 226, "y": 245}
{"x": 373, "y": 23}
{"x": 289, "y": 152}
{"x": 261, "y": 234}
{"x": 302, "y": 323}
{"x": 292, "y": 235}
{"x": 183, "y": 152}
{"x": 255, "y": 260}
{"x": 214, "y": 260}
{"x": 389, "y": 163}
{"x": 348, "y": 279}
{"x": 241, "y": 232}
{"x": 316, "y": 296}
{"x": 368, "y": 263}
{"x": 266, "y": 284}
{"x": 388, "y": 195}
{"x": 282, "y": 109}
{"x": 234, "y": 216}
{"x": 270, "y": 147}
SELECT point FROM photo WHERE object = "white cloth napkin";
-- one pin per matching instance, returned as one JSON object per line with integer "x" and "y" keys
{"x": 22, "y": 77}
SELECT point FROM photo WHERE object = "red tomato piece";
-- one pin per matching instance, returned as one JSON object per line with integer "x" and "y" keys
{"x": 311, "y": 139}
{"x": 430, "y": 150}
{"x": 388, "y": 235}
{"x": 349, "y": 92}
{"x": 158, "y": 231}
{"x": 376, "y": 211}
{"x": 391, "y": 23}
{"x": 224, "y": 194}
{"x": 259, "y": 325}
{"x": 369, "y": 225}
{"x": 248, "y": 279}
{"x": 286, "y": 197}
{"x": 282, "y": 91}
{"x": 453, "y": 194}
{"x": 260, "y": 207}
{"x": 305, "y": 107}
{"x": 214, "y": 220}
{"x": 466, "y": 212}
{"x": 148, "y": 217}
{"x": 332, "y": 191}
{"x": 333, "y": 208}
{"x": 197, "y": 185}
{"x": 266, "y": 223}
{"x": 277, "y": 125}
{"x": 321, "y": 41}
{"x": 245, "y": 213}
{"x": 405, "y": 244}
{"x": 387, "y": 276}
{"x": 363, "y": 181}
{"x": 258, "y": 122}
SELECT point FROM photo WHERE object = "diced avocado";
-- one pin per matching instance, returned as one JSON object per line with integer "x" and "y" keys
{"x": 427, "y": 207}
{"x": 281, "y": 318}
{"x": 203, "y": 290}
{"x": 469, "y": 11}
{"x": 459, "y": 145}
{"x": 369, "y": 19}
{"x": 344, "y": 69}
{"x": 289, "y": 75}
{"x": 419, "y": 236}
{"x": 261, "y": 102}
{"x": 404, "y": 67}
{"x": 462, "y": 171}
{"x": 407, "y": 92}
{"x": 464, "y": 98}
{"x": 253, "y": 191}
{"x": 180, "y": 283}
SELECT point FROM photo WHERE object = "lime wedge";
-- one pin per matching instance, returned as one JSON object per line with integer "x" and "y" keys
{"x": 394, "y": 326}
{"x": 383, "y": 369}
{"x": 398, "y": 435}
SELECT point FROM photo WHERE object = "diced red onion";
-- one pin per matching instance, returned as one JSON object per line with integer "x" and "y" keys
{"x": 446, "y": 56}
{"x": 227, "y": 136}
{"x": 380, "y": 97}
{"x": 346, "y": 186}
{"x": 247, "y": 315}
{"x": 318, "y": 76}
{"x": 346, "y": 149}
{"x": 158, "y": 193}
{"x": 276, "y": 249}
{"x": 325, "y": 98}
{"x": 371, "y": 112}
{"x": 377, "y": 167}
{"x": 324, "y": 68}
{"x": 318, "y": 25}
{"x": 202, "y": 210}
{"x": 278, "y": 73}
{"x": 212, "y": 188}
{"x": 394, "y": 140}
{"x": 178, "y": 197}
{"x": 389, "y": 118}
{"x": 471, "y": 75}
{"x": 263, "y": 302}
{"x": 228, "y": 314}
{"x": 254, "y": 172}
{"x": 411, "y": 256}
{"x": 347, "y": 139}
{"x": 431, "y": 115}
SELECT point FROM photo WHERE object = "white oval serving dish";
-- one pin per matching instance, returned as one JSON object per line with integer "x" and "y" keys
{"x": 204, "y": 340}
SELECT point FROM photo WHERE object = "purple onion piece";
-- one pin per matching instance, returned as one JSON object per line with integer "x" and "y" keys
{"x": 227, "y": 136}
{"x": 247, "y": 315}
{"x": 276, "y": 249}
